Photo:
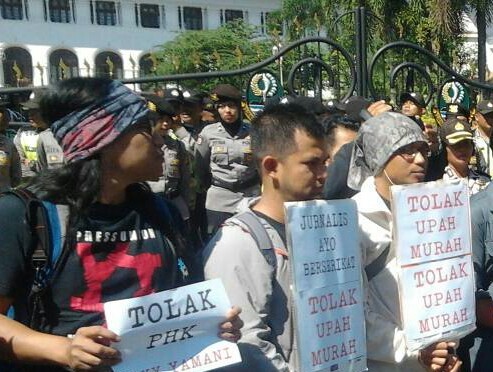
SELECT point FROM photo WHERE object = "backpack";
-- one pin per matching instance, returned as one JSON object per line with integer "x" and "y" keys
{"x": 47, "y": 223}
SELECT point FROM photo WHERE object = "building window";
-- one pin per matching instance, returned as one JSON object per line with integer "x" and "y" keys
{"x": 60, "y": 11}
{"x": 192, "y": 18}
{"x": 104, "y": 13}
{"x": 149, "y": 15}
{"x": 63, "y": 65}
{"x": 109, "y": 65}
{"x": 147, "y": 65}
{"x": 17, "y": 67}
{"x": 232, "y": 15}
{"x": 12, "y": 9}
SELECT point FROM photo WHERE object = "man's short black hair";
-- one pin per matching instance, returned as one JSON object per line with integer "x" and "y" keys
{"x": 273, "y": 130}
{"x": 331, "y": 123}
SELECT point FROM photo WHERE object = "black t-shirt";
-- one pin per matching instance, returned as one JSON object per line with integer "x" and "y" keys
{"x": 278, "y": 226}
{"x": 117, "y": 253}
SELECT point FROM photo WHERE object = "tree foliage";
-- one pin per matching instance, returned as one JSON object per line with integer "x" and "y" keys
{"x": 229, "y": 47}
{"x": 434, "y": 24}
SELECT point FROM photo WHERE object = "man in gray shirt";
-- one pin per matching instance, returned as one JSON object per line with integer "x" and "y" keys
{"x": 258, "y": 277}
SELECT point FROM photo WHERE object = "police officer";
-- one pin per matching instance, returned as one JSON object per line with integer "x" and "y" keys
{"x": 26, "y": 139}
{"x": 457, "y": 136}
{"x": 174, "y": 183}
{"x": 49, "y": 154}
{"x": 223, "y": 155}
{"x": 190, "y": 123}
{"x": 10, "y": 164}
{"x": 187, "y": 130}
{"x": 413, "y": 106}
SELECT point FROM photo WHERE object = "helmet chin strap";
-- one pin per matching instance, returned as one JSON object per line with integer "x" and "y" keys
{"x": 388, "y": 178}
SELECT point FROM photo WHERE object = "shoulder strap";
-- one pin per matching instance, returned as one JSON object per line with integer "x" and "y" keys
{"x": 166, "y": 209}
{"x": 36, "y": 218}
{"x": 378, "y": 264}
{"x": 57, "y": 216}
{"x": 260, "y": 235}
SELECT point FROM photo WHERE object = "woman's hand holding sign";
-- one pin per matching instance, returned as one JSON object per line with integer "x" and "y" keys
{"x": 89, "y": 349}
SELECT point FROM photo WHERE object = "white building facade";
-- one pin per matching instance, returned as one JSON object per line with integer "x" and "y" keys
{"x": 471, "y": 42}
{"x": 42, "y": 41}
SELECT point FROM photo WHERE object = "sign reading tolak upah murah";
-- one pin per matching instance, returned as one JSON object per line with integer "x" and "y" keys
{"x": 432, "y": 237}
{"x": 323, "y": 245}
{"x": 174, "y": 330}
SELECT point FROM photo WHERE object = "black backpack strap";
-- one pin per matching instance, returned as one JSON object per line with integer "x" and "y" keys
{"x": 377, "y": 265}
{"x": 37, "y": 218}
{"x": 166, "y": 215}
{"x": 260, "y": 235}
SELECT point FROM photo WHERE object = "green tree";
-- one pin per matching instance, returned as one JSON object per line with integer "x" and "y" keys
{"x": 229, "y": 47}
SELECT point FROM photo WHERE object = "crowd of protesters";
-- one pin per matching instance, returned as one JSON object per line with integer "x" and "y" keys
{"x": 111, "y": 158}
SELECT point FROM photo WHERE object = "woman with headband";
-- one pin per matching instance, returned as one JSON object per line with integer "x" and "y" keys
{"x": 118, "y": 244}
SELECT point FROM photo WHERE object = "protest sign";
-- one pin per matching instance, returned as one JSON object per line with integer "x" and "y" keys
{"x": 328, "y": 294}
{"x": 174, "y": 330}
{"x": 432, "y": 237}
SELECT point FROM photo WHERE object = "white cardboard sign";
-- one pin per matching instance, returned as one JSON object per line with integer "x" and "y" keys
{"x": 173, "y": 330}
{"x": 324, "y": 249}
{"x": 432, "y": 236}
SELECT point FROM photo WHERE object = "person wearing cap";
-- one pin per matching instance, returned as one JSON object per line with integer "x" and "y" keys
{"x": 457, "y": 136}
{"x": 10, "y": 162}
{"x": 174, "y": 96}
{"x": 413, "y": 106}
{"x": 209, "y": 112}
{"x": 483, "y": 131}
{"x": 119, "y": 240}
{"x": 390, "y": 149}
{"x": 26, "y": 138}
{"x": 223, "y": 155}
{"x": 175, "y": 181}
{"x": 191, "y": 125}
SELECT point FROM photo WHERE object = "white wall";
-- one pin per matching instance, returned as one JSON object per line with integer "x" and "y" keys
{"x": 86, "y": 40}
